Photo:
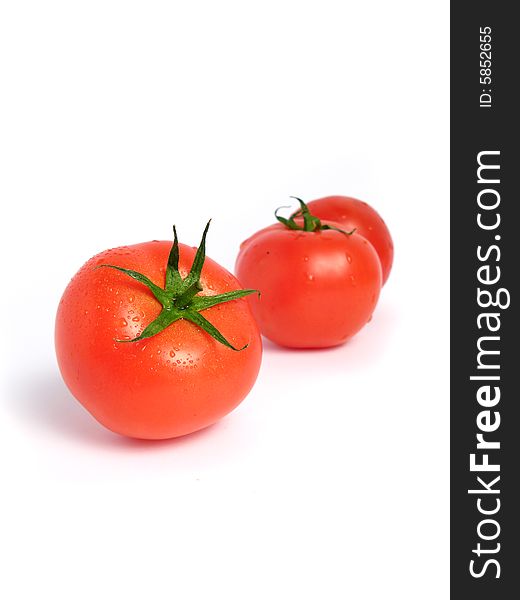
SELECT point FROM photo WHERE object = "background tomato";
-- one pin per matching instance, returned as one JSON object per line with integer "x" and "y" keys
{"x": 351, "y": 213}
{"x": 318, "y": 288}
{"x": 167, "y": 385}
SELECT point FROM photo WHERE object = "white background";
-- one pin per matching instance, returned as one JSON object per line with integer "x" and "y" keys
{"x": 121, "y": 118}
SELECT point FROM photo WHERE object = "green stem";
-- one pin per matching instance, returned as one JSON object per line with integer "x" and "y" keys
{"x": 310, "y": 222}
{"x": 185, "y": 298}
{"x": 179, "y": 298}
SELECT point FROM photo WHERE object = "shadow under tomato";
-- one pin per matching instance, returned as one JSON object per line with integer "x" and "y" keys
{"x": 43, "y": 401}
{"x": 273, "y": 348}
{"x": 360, "y": 352}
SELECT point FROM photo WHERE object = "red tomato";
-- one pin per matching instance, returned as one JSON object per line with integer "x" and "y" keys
{"x": 351, "y": 213}
{"x": 317, "y": 288}
{"x": 171, "y": 383}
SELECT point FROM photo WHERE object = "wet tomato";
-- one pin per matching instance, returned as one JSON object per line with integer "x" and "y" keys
{"x": 152, "y": 348}
{"x": 318, "y": 284}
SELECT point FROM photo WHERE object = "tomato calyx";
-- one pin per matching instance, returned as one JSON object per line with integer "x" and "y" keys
{"x": 179, "y": 297}
{"x": 310, "y": 222}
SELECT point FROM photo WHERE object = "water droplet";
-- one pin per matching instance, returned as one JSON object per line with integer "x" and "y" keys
{"x": 123, "y": 323}
{"x": 159, "y": 351}
{"x": 172, "y": 353}
{"x": 348, "y": 257}
{"x": 306, "y": 258}
{"x": 135, "y": 319}
{"x": 352, "y": 280}
{"x": 130, "y": 298}
{"x": 310, "y": 276}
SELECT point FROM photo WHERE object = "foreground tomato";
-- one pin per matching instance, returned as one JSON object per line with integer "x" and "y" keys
{"x": 156, "y": 363}
{"x": 318, "y": 284}
{"x": 351, "y": 213}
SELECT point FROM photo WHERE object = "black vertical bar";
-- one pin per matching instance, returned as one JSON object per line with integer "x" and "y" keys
{"x": 484, "y": 126}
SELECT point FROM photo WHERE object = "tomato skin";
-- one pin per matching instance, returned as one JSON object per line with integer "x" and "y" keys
{"x": 168, "y": 385}
{"x": 352, "y": 213}
{"x": 317, "y": 288}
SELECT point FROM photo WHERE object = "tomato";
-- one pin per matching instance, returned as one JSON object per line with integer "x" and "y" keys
{"x": 156, "y": 363}
{"x": 351, "y": 213}
{"x": 318, "y": 285}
